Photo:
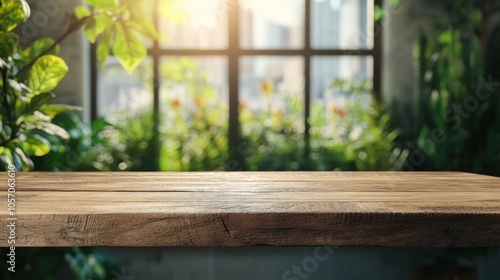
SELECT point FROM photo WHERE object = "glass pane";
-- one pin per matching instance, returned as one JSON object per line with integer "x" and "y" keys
{"x": 120, "y": 92}
{"x": 194, "y": 110}
{"x": 325, "y": 70}
{"x": 272, "y": 24}
{"x": 342, "y": 24}
{"x": 194, "y": 24}
{"x": 340, "y": 91}
{"x": 272, "y": 111}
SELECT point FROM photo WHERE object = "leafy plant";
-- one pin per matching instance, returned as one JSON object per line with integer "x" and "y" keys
{"x": 456, "y": 121}
{"x": 119, "y": 26}
{"x": 102, "y": 146}
{"x": 29, "y": 75}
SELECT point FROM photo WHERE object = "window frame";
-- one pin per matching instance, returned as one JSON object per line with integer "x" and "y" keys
{"x": 233, "y": 53}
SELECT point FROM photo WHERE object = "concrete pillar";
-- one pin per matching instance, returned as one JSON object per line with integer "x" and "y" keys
{"x": 402, "y": 25}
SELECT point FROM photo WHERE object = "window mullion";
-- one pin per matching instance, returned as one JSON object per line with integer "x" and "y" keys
{"x": 377, "y": 57}
{"x": 236, "y": 161}
{"x": 155, "y": 53}
{"x": 93, "y": 82}
{"x": 307, "y": 76}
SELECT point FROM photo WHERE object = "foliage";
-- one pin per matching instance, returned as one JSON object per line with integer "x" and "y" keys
{"x": 456, "y": 121}
{"x": 103, "y": 146}
{"x": 193, "y": 132}
{"x": 273, "y": 138}
{"x": 194, "y": 127}
{"x": 118, "y": 24}
{"x": 354, "y": 137}
{"x": 60, "y": 263}
{"x": 361, "y": 129}
{"x": 29, "y": 75}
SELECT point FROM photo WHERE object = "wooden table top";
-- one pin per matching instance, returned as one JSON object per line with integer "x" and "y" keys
{"x": 396, "y": 209}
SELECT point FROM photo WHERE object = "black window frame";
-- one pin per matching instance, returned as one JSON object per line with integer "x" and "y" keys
{"x": 233, "y": 53}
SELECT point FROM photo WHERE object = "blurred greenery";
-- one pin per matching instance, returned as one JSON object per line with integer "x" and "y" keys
{"x": 101, "y": 146}
{"x": 59, "y": 263}
{"x": 456, "y": 116}
{"x": 354, "y": 137}
{"x": 193, "y": 133}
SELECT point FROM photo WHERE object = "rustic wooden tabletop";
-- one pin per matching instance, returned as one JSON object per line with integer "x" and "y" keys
{"x": 396, "y": 209}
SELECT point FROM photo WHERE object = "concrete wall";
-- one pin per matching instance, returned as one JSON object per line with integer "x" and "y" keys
{"x": 402, "y": 24}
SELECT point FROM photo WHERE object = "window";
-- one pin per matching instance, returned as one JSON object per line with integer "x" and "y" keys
{"x": 241, "y": 51}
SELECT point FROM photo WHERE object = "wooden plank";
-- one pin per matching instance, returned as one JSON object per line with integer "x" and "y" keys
{"x": 259, "y": 181}
{"x": 413, "y": 209}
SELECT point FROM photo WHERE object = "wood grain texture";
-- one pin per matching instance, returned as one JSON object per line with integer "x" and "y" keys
{"x": 403, "y": 209}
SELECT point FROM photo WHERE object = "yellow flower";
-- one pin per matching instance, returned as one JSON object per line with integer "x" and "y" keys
{"x": 265, "y": 88}
{"x": 199, "y": 101}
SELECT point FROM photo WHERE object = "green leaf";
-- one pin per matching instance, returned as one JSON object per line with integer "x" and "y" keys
{"x": 95, "y": 25}
{"x": 103, "y": 48}
{"x": 52, "y": 110}
{"x": 3, "y": 64}
{"x": 8, "y": 44}
{"x": 378, "y": 13}
{"x": 127, "y": 48}
{"x": 46, "y": 73}
{"x": 36, "y": 145}
{"x": 445, "y": 37}
{"x": 21, "y": 160}
{"x": 30, "y": 54}
{"x": 52, "y": 129}
{"x": 81, "y": 12}
{"x": 146, "y": 29}
{"x": 100, "y": 4}
{"x": 38, "y": 47}
{"x": 20, "y": 105}
{"x": 100, "y": 124}
{"x": 18, "y": 87}
{"x": 13, "y": 12}
{"x": 38, "y": 100}
{"x": 6, "y": 157}
{"x": 140, "y": 20}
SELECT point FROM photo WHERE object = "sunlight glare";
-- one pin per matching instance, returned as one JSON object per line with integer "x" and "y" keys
{"x": 205, "y": 13}
{"x": 267, "y": 9}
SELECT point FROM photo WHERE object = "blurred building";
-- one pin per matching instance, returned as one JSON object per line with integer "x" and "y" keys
{"x": 261, "y": 27}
